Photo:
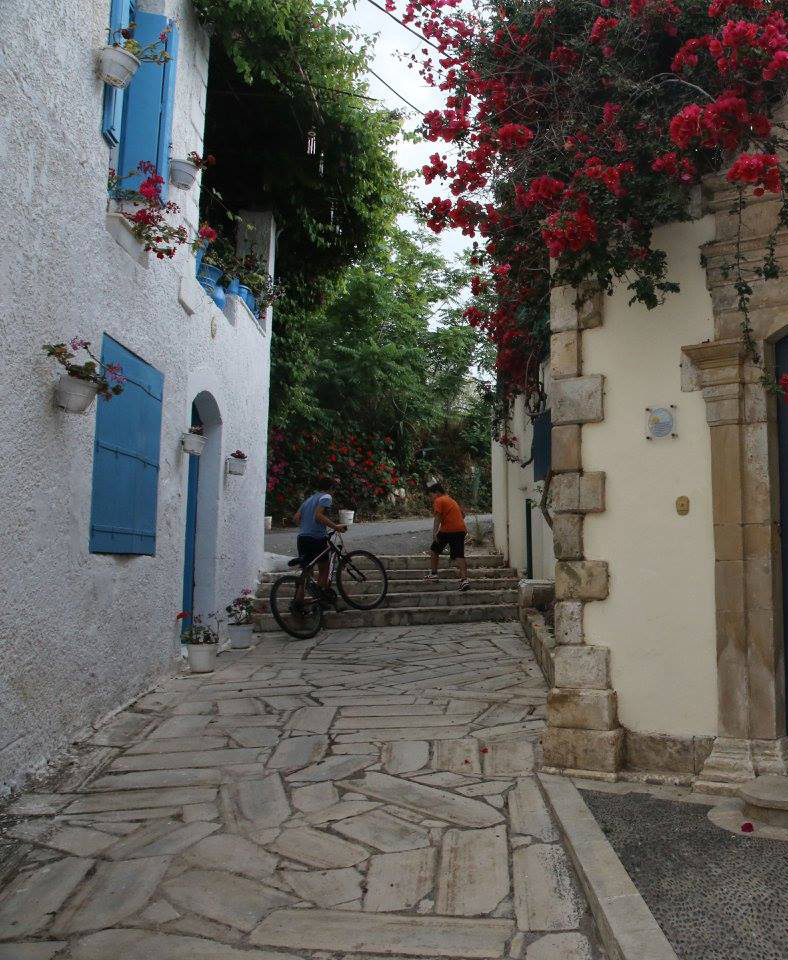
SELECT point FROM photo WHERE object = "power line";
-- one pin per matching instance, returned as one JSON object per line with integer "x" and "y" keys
{"x": 395, "y": 92}
{"x": 406, "y": 27}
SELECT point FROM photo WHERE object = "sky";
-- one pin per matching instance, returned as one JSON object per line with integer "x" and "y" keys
{"x": 393, "y": 40}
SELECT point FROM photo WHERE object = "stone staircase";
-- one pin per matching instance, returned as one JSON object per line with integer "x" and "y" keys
{"x": 413, "y": 600}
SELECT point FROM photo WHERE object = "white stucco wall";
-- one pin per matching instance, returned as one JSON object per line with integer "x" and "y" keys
{"x": 512, "y": 485}
{"x": 82, "y": 633}
{"x": 659, "y": 619}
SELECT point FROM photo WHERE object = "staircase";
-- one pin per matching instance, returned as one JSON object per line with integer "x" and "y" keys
{"x": 412, "y": 600}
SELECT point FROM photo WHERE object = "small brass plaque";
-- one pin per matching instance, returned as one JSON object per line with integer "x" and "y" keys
{"x": 682, "y": 506}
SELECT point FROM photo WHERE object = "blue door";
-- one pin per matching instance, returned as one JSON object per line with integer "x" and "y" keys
{"x": 781, "y": 357}
{"x": 191, "y": 528}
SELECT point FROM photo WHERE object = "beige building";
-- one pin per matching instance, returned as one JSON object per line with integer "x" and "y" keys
{"x": 668, "y": 650}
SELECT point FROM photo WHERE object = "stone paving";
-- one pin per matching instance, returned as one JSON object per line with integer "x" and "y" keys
{"x": 366, "y": 794}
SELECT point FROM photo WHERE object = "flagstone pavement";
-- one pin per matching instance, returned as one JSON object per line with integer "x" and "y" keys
{"x": 366, "y": 794}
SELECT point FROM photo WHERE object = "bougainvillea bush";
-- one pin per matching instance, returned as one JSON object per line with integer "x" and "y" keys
{"x": 573, "y": 128}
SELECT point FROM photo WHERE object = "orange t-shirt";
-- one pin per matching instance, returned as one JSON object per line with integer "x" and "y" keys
{"x": 451, "y": 516}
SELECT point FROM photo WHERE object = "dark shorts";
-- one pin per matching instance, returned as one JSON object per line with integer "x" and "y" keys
{"x": 310, "y": 548}
{"x": 454, "y": 541}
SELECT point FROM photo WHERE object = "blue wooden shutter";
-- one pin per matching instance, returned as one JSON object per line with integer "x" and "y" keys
{"x": 540, "y": 449}
{"x": 121, "y": 14}
{"x": 150, "y": 98}
{"x": 126, "y": 459}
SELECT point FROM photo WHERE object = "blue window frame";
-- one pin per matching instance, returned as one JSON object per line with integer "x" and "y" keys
{"x": 121, "y": 14}
{"x": 148, "y": 108}
{"x": 126, "y": 459}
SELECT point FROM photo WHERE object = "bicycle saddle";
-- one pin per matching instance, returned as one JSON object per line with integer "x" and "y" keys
{"x": 296, "y": 562}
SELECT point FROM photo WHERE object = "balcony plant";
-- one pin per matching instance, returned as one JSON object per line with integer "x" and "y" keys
{"x": 201, "y": 641}
{"x": 121, "y": 59}
{"x": 183, "y": 173}
{"x": 78, "y": 386}
{"x": 236, "y": 463}
{"x": 239, "y": 623}
{"x": 193, "y": 441}
{"x": 146, "y": 212}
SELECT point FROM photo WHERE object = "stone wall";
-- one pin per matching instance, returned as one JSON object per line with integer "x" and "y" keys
{"x": 82, "y": 633}
{"x": 583, "y": 733}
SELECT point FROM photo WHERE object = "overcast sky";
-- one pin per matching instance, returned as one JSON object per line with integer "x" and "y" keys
{"x": 393, "y": 40}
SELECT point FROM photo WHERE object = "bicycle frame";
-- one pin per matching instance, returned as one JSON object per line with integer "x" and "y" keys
{"x": 334, "y": 554}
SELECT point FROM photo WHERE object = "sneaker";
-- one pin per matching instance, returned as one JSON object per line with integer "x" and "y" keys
{"x": 431, "y": 576}
{"x": 465, "y": 584}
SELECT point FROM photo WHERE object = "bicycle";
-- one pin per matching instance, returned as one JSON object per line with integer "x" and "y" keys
{"x": 297, "y": 602}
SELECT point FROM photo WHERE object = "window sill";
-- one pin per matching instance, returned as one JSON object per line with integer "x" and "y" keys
{"x": 120, "y": 230}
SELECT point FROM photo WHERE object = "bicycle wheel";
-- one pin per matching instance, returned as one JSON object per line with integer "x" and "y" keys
{"x": 301, "y": 623}
{"x": 362, "y": 580}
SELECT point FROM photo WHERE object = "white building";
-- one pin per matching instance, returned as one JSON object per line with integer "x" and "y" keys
{"x": 96, "y": 554}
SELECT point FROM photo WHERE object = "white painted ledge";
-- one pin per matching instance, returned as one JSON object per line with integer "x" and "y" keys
{"x": 120, "y": 230}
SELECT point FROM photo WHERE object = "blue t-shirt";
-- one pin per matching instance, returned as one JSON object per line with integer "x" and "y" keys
{"x": 309, "y": 526}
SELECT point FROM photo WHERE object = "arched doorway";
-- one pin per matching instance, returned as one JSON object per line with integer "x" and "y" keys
{"x": 202, "y": 510}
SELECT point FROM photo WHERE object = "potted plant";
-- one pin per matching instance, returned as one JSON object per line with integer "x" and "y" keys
{"x": 239, "y": 623}
{"x": 82, "y": 382}
{"x": 146, "y": 212}
{"x": 183, "y": 173}
{"x": 236, "y": 463}
{"x": 121, "y": 59}
{"x": 202, "y": 643}
{"x": 193, "y": 441}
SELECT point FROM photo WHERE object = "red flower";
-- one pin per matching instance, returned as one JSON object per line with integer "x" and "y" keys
{"x": 762, "y": 169}
{"x": 183, "y": 615}
{"x": 747, "y": 827}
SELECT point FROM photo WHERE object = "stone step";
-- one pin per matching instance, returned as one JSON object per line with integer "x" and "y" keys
{"x": 446, "y": 598}
{"x": 444, "y": 573}
{"x": 444, "y": 585}
{"x": 421, "y": 561}
{"x": 404, "y": 616}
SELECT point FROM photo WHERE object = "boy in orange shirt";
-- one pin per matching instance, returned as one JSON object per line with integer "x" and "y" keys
{"x": 448, "y": 530}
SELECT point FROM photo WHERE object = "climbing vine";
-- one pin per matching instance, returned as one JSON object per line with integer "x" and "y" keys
{"x": 572, "y": 129}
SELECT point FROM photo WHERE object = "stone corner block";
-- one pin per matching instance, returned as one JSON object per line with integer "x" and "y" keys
{"x": 577, "y": 493}
{"x": 563, "y": 309}
{"x": 582, "y": 667}
{"x": 569, "y": 622}
{"x": 578, "y": 400}
{"x": 581, "y": 580}
{"x": 571, "y": 749}
{"x": 568, "y": 536}
{"x": 589, "y": 307}
{"x": 565, "y": 355}
{"x": 566, "y": 453}
{"x": 582, "y": 709}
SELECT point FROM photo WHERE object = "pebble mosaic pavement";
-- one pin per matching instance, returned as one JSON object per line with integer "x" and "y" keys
{"x": 716, "y": 895}
{"x": 366, "y": 794}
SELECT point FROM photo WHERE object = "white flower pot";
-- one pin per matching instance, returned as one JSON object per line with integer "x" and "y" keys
{"x": 192, "y": 443}
{"x": 236, "y": 466}
{"x": 240, "y": 636}
{"x": 202, "y": 657}
{"x": 346, "y": 517}
{"x": 269, "y": 524}
{"x": 183, "y": 173}
{"x": 75, "y": 395}
{"x": 117, "y": 66}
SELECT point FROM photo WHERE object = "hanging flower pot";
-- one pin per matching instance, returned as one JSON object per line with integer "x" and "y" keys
{"x": 192, "y": 443}
{"x": 236, "y": 463}
{"x": 75, "y": 395}
{"x": 183, "y": 173}
{"x": 117, "y": 66}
